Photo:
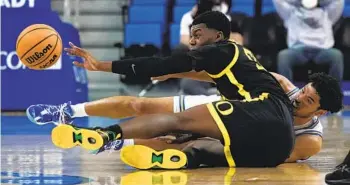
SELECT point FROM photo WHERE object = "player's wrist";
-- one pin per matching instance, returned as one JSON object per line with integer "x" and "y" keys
{"x": 105, "y": 66}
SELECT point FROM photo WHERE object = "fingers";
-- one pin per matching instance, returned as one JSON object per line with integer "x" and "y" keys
{"x": 71, "y": 44}
{"x": 75, "y": 51}
{"x": 78, "y": 64}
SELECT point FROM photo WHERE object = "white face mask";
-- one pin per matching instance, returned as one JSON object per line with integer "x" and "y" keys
{"x": 309, "y": 4}
{"x": 223, "y": 8}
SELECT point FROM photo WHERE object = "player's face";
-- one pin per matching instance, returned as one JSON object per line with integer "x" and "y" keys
{"x": 307, "y": 103}
{"x": 201, "y": 35}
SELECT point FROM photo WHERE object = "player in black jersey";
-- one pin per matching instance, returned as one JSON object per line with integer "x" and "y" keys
{"x": 254, "y": 104}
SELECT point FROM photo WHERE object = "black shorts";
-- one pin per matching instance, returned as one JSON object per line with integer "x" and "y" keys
{"x": 255, "y": 134}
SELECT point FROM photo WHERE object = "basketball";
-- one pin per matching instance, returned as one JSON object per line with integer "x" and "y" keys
{"x": 39, "y": 46}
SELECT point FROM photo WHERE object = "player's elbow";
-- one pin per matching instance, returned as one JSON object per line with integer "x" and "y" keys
{"x": 315, "y": 146}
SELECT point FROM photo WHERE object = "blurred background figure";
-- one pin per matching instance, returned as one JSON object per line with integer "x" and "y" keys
{"x": 310, "y": 35}
{"x": 200, "y": 7}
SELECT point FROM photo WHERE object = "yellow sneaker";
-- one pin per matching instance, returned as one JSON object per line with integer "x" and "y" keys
{"x": 67, "y": 136}
{"x": 150, "y": 178}
{"x": 143, "y": 157}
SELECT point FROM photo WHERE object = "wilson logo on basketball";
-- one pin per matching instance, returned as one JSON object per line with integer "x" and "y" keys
{"x": 52, "y": 60}
{"x": 38, "y": 55}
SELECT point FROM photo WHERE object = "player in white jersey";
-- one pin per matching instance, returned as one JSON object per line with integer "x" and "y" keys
{"x": 308, "y": 128}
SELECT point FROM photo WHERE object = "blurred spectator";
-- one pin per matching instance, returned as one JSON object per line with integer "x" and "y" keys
{"x": 310, "y": 35}
{"x": 201, "y": 7}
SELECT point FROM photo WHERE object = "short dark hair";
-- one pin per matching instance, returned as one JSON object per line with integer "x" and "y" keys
{"x": 329, "y": 90}
{"x": 214, "y": 20}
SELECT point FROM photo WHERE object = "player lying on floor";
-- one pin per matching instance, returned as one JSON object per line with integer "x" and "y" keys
{"x": 307, "y": 127}
{"x": 254, "y": 121}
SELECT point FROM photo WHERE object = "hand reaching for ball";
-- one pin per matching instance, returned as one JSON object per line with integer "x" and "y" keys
{"x": 89, "y": 62}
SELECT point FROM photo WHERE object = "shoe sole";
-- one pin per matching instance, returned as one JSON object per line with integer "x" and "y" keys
{"x": 147, "y": 177}
{"x": 143, "y": 157}
{"x": 67, "y": 136}
{"x": 338, "y": 182}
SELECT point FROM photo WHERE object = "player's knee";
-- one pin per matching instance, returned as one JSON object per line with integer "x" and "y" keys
{"x": 139, "y": 105}
{"x": 183, "y": 124}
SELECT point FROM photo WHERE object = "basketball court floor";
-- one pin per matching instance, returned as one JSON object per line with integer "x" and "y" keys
{"x": 29, "y": 157}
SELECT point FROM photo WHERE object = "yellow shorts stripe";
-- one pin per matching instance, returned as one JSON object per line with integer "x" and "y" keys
{"x": 225, "y": 135}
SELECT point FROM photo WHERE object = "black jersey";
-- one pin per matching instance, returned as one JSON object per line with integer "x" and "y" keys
{"x": 236, "y": 72}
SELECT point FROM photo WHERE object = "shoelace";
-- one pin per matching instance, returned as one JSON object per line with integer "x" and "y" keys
{"x": 341, "y": 167}
{"x": 60, "y": 112}
{"x": 111, "y": 146}
{"x": 61, "y": 118}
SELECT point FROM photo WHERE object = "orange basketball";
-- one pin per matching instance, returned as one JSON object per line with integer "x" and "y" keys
{"x": 39, "y": 46}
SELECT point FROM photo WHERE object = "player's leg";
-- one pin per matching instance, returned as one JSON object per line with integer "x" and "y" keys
{"x": 156, "y": 144}
{"x": 205, "y": 151}
{"x": 112, "y": 107}
{"x": 128, "y": 106}
{"x": 195, "y": 120}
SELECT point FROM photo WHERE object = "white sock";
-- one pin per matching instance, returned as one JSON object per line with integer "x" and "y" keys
{"x": 79, "y": 110}
{"x": 128, "y": 142}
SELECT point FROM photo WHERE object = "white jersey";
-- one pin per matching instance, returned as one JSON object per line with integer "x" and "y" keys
{"x": 185, "y": 102}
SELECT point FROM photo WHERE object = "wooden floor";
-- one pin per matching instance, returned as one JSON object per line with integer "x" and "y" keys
{"x": 28, "y": 157}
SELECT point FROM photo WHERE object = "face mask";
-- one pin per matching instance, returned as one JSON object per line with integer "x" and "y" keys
{"x": 223, "y": 8}
{"x": 309, "y": 4}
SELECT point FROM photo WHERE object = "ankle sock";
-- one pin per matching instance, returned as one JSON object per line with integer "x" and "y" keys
{"x": 79, "y": 110}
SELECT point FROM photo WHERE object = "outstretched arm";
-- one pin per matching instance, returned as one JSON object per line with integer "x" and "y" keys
{"x": 285, "y": 7}
{"x": 284, "y": 82}
{"x": 305, "y": 146}
{"x": 200, "y": 76}
{"x": 143, "y": 66}
{"x": 200, "y": 59}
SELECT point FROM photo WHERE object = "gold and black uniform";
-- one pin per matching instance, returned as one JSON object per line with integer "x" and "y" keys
{"x": 255, "y": 116}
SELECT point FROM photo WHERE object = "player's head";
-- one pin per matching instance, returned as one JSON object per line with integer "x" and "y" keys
{"x": 208, "y": 28}
{"x": 320, "y": 95}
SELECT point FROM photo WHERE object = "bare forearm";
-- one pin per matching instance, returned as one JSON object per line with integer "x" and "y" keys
{"x": 200, "y": 76}
{"x": 105, "y": 66}
{"x": 284, "y": 82}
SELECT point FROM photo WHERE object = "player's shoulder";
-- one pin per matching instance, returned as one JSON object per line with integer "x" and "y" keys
{"x": 312, "y": 128}
{"x": 214, "y": 49}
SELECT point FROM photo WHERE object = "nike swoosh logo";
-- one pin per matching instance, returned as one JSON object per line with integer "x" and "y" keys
{"x": 133, "y": 68}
